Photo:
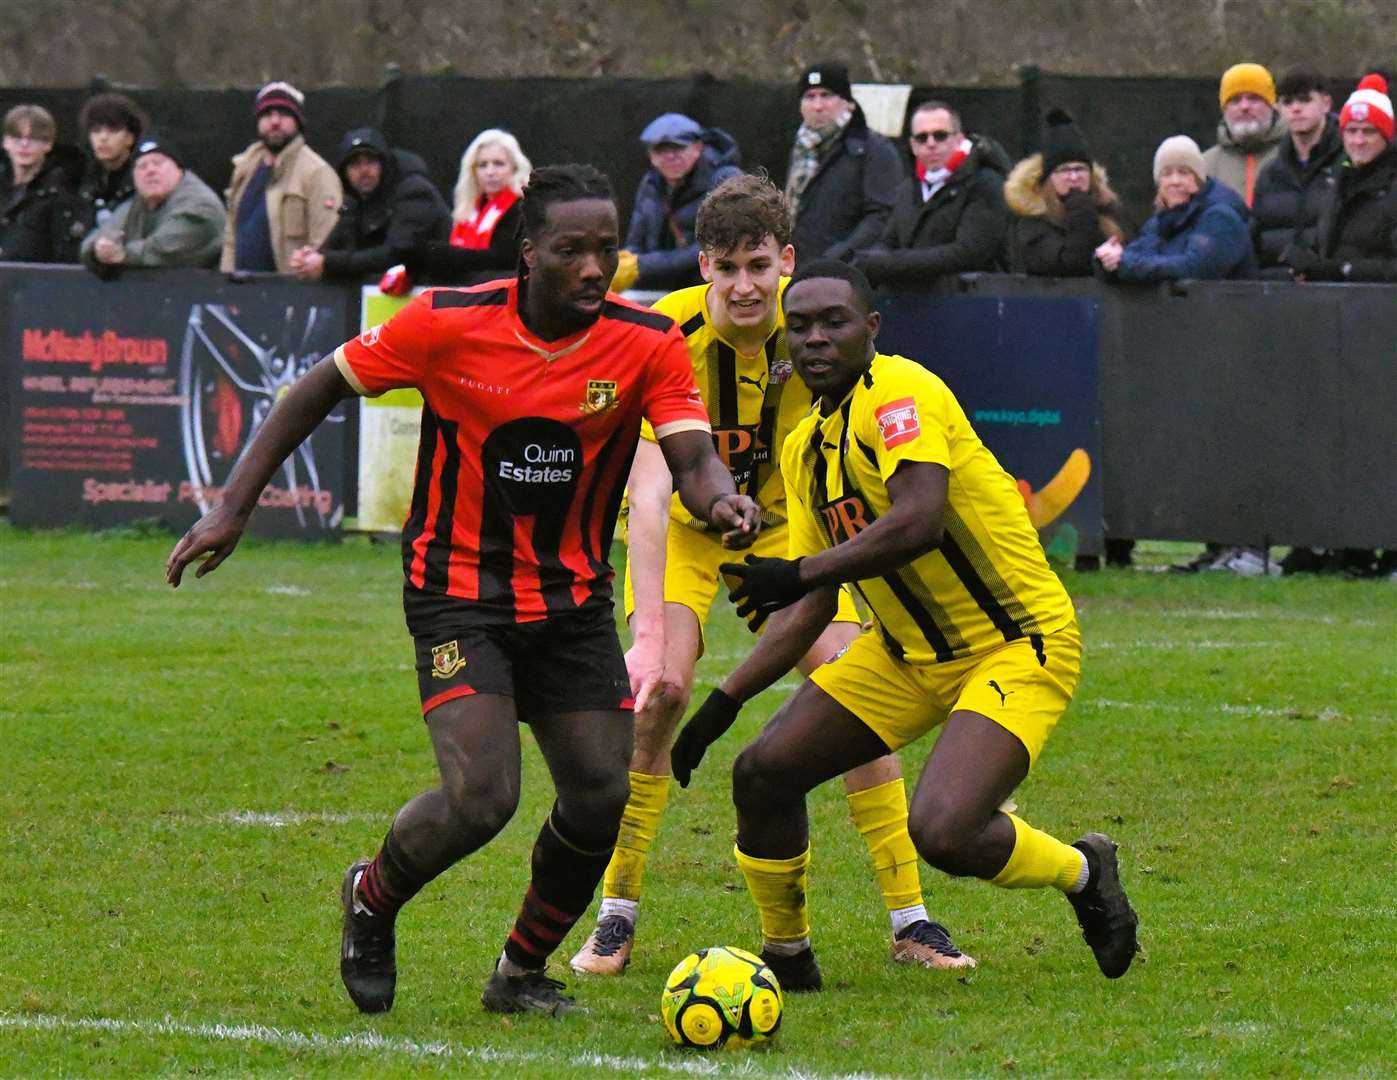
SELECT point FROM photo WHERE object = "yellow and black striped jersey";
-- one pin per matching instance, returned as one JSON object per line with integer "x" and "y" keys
{"x": 753, "y": 401}
{"x": 988, "y": 581}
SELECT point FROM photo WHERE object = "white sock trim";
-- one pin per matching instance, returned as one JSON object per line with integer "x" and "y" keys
{"x": 614, "y": 905}
{"x": 1082, "y": 875}
{"x": 506, "y": 966}
{"x": 786, "y": 948}
{"x": 902, "y": 918}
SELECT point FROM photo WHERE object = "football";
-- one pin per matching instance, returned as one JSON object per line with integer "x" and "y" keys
{"x": 721, "y": 997}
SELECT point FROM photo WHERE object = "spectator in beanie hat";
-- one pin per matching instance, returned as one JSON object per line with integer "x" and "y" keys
{"x": 1250, "y": 131}
{"x": 843, "y": 177}
{"x": 174, "y": 219}
{"x": 283, "y": 195}
{"x": 1357, "y": 234}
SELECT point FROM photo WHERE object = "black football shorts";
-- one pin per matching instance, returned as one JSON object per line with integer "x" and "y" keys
{"x": 565, "y": 663}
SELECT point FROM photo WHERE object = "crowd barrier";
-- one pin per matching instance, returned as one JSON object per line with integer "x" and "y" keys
{"x": 1246, "y": 412}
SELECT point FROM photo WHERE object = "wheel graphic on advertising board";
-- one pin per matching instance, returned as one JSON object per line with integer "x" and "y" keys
{"x": 229, "y": 383}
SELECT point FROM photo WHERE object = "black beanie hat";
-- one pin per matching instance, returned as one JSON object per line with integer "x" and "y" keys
{"x": 828, "y": 75}
{"x": 155, "y": 142}
{"x": 1062, "y": 141}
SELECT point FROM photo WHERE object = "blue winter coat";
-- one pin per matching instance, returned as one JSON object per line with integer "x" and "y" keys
{"x": 1208, "y": 237}
{"x": 667, "y": 261}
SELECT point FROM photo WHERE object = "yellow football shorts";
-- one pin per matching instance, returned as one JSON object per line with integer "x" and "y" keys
{"x": 1023, "y": 686}
{"x": 692, "y": 559}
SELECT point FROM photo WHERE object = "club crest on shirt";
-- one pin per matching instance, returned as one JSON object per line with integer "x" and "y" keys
{"x": 369, "y": 338}
{"x": 779, "y": 371}
{"x": 601, "y": 397}
{"x": 446, "y": 660}
{"x": 898, "y": 422}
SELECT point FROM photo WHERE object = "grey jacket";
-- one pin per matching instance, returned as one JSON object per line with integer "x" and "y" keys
{"x": 185, "y": 230}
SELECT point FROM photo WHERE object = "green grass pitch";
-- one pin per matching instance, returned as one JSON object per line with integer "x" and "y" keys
{"x": 188, "y": 774}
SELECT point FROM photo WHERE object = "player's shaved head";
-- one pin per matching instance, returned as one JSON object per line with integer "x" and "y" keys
{"x": 842, "y": 271}
{"x": 557, "y": 184}
{"x": 742, "y": 211}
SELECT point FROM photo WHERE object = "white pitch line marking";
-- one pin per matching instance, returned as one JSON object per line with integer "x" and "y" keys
{"x": 1155, "y": 645}
{"x": 373, "y": 1043}
{"x": 283, "y": 819}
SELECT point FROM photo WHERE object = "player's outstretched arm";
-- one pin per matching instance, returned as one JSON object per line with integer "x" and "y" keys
{"x": 647, "y": 493}
{"x": 792, "y": 632}
{"x": 706, "y": 489}
{"x": 293, "y": 418}
{"x": 911, "y": 527}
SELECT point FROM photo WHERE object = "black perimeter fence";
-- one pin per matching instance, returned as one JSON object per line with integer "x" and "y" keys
{"x": 599, "y": 120}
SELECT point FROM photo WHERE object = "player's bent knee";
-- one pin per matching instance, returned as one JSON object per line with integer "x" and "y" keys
{"x": 480, "y": 811}
{"x": 944, "y": 841}
{"x": 758, "y": 782}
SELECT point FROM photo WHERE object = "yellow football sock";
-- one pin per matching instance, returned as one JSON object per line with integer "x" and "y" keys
{"x": 1039, "y": 860}
{"x": 778, "y": 887}
{"x": 880, "y": 814}
{"x": 639, "y": 823}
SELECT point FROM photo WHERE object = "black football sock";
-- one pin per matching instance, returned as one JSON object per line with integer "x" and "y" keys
{"x": 565, "y": 877}
{"x": 391, "y": 880}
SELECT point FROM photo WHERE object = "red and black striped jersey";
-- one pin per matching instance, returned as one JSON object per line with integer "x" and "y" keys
{"x": 526, "y": 445}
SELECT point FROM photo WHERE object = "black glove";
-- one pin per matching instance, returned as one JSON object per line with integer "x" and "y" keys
{"x": 704, "y": 728}
{"x": 765, "y": 585}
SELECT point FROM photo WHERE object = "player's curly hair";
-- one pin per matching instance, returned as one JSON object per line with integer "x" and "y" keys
{"x": 743, "y": 211}
{"x": 556, "y": 184}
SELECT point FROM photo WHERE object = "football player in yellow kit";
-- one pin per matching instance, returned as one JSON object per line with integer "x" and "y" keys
{"x": 889, "y": 487}
{"x": 736, "y": 336}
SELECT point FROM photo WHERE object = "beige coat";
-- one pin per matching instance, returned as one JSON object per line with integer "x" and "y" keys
{"x": 303, "y": 200}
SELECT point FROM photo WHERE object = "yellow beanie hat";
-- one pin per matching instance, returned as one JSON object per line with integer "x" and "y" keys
{"x": 1247, "y": 79}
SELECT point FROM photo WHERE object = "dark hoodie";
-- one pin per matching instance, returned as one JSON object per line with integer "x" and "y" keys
{"x": 960, "y": 229}
{"x": 661, "y": 232}
{"x": 40, "y": 222}
{"x": 400, "y": 216}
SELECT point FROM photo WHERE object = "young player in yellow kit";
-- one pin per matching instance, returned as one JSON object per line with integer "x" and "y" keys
{"x": 889, "y": 487}
{"x": 736, "y": 337}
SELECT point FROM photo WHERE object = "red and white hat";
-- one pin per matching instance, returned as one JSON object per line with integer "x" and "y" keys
{"x": 1369, "y": 104}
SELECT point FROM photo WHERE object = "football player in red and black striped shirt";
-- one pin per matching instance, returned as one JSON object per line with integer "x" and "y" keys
{"x": 534, "y": 391}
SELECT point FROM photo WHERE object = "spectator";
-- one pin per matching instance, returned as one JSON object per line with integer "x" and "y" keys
{"x": 283, "y": 195}
{"x": 1198, "y": 230}
{"x": 686, "y": 163}
{"x": 843, "y": 178}
{"x": 390, "y": 210}
{"x": 38, "y": 216}
{"x": 1356, "y": 241}
{"x": 485, "y": 219}
{"x": 113, "y": 123}
{"x": 1250, "y": 131}
{"x": 950, "y": 217}
{"x": 1357, "y": 231}
{"x": 175, "y": 219}
{"x": 1062, "y": 204}
{"x": 1291, "y": 191}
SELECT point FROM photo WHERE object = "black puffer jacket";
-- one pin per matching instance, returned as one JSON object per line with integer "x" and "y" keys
{"x": 40, "y": 222}
{"x": 102, "y": 190}
{"x": 847, "y": 203}
{"x": 1357, "y": 232}
{"x": 960, "y": 229}
{"x": 1288, "y": 199}
{"x": 401, "y": 215}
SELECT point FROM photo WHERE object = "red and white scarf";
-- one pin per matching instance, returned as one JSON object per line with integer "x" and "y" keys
{"x": 935, "y": 179}
{"x": 475, "y": 232}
